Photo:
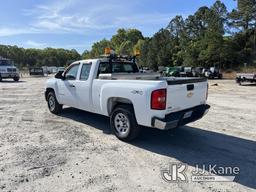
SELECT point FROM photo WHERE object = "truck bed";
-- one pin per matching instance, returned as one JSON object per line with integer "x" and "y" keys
{"x": 151, "y": 76}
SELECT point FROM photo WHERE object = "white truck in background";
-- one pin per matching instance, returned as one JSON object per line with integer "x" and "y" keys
{"x": 114, "y": 87}
{"x": 8, "y": 70}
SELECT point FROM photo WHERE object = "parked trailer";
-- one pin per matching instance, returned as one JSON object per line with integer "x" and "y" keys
{"x": 246, "y": 77}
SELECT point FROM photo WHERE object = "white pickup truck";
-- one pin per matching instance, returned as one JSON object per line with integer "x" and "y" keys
{"x": 114, "y": 87}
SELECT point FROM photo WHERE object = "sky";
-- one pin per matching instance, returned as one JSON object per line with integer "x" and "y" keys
{"x": 77, "y": 24}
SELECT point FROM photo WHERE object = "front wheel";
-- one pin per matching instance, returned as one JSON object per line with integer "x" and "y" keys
{"x": 16, "y": 79}
{"x": 53, "y": 104}
{"x": 123, "y": 123}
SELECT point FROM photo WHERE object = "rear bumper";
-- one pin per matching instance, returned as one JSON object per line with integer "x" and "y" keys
{"x": 180, "y": 118}
{"x": 9, "y": 75}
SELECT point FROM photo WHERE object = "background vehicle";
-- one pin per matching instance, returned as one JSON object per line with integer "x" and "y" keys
{"x": 180, "y": 71}
{"x": 246, "y": 77}
{"x": 199, "y": 72}
{"x": 213, "y": 73}
{"x": 52, "y": 69}
{"x": 8, "y": 70}
{"x": 114, "y": 87}
{"x": 39, "y": 71}
{"x": 173, "y": 71}
{"x": 60, "y": 69}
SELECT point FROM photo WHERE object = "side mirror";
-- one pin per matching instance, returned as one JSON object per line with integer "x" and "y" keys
{"x": 59, "y": 75}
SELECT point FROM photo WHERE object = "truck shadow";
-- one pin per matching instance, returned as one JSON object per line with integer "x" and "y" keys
{"x": 94, "y": 120}
{"x": 11, "y": 81}
{"x": 249, "y": 85}
{"x": 189, "y": 145}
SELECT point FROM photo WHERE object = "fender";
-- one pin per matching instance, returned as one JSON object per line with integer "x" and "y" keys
{"x": 52, "y": 84}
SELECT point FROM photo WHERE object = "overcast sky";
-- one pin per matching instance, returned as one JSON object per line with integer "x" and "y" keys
{"x": 78, "y": 23}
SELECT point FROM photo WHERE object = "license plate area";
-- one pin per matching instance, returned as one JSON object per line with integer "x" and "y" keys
{"x": 187, "y": 114}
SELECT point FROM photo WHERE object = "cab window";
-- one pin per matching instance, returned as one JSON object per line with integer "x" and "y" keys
{"x": 72, "y": 72}
{"x": 85, "y": 72}
{"x": 118, "y": 67}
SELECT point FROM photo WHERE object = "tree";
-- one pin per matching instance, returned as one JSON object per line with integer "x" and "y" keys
{"x": 244, "y": 17}
{"x": 124, "y": 41}
{"x": 126, "y": 48}
{"x": 86, "y": 54}
{"x": 39, "y": 57}
{"x": 177, "y": 27}
{"x": 99, "y": 47}
{"x": 118, "y": 39}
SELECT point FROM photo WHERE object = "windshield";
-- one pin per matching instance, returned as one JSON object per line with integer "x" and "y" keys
{"x": 118, "y": 67}
{"x": 5, "y": 62}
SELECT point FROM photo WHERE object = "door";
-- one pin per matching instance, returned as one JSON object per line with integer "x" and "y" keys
{"x": 83, "y": 88}
{"x": 67, "y": 89}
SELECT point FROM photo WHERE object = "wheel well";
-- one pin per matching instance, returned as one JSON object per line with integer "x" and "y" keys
{"x": 47, "y": 91}
{"x": 115, "y": 101}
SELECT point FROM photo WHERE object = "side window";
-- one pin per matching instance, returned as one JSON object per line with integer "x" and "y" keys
{"x": 85, "y": 72}
{"x": 72, "y": 72}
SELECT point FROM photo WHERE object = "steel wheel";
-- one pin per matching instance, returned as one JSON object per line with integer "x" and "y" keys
{"x": 51, "y": 102}
{"x": 122, "y": 124}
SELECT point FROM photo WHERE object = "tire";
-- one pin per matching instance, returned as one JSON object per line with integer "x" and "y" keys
{"x": 53, "y": 104}
{"x": 123, "y": 123}
{"x": 16, "y": 79}
{"x": 0, "y": 78}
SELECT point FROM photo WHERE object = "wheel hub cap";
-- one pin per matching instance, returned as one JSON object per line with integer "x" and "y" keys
{"x": 122, "y": 124}
{"x": 51, "y": 103}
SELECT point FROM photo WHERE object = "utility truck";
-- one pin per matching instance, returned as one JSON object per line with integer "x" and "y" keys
{"x": 113, "y": 86}
{"x": 8, "y": 70}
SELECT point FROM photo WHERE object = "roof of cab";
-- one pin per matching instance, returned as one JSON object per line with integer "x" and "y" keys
{"x": 103, "y": 59}
{"x": 92, "y": 60}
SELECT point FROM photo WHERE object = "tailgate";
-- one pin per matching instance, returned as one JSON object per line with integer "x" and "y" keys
{"x": 186, "y": 93}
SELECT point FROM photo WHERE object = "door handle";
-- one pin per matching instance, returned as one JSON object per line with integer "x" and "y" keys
{"x": 72, "y": 85}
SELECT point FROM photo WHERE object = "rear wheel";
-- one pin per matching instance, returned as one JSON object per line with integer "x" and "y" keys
{"x": 123, "y": 123}
{"x": 53, "y": 104}
{"x": 0, "y": 78}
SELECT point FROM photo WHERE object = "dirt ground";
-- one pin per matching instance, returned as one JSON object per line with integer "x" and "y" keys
{"x": 76, "y": 151}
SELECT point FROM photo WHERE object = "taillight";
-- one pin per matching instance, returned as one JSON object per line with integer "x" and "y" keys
{"x": 158, "y": 99}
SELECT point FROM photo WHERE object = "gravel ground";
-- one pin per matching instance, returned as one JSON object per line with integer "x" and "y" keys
{"x": 76, "y": 151}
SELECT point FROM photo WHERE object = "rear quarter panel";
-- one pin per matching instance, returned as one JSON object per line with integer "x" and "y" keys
{"x": 137, "y": 91}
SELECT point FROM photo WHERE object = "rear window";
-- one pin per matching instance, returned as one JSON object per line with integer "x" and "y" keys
{"x": 118, "y": 67}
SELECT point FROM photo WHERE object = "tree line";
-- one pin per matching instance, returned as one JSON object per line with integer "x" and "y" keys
{"x": 212, "y": 36}
{"x": 39, "y": 57}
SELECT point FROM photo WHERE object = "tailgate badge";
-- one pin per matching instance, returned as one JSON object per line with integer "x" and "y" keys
{"x": 190, "y": 94}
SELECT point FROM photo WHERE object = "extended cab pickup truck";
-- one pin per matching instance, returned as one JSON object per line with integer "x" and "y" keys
{"x": 114, "y": 87}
